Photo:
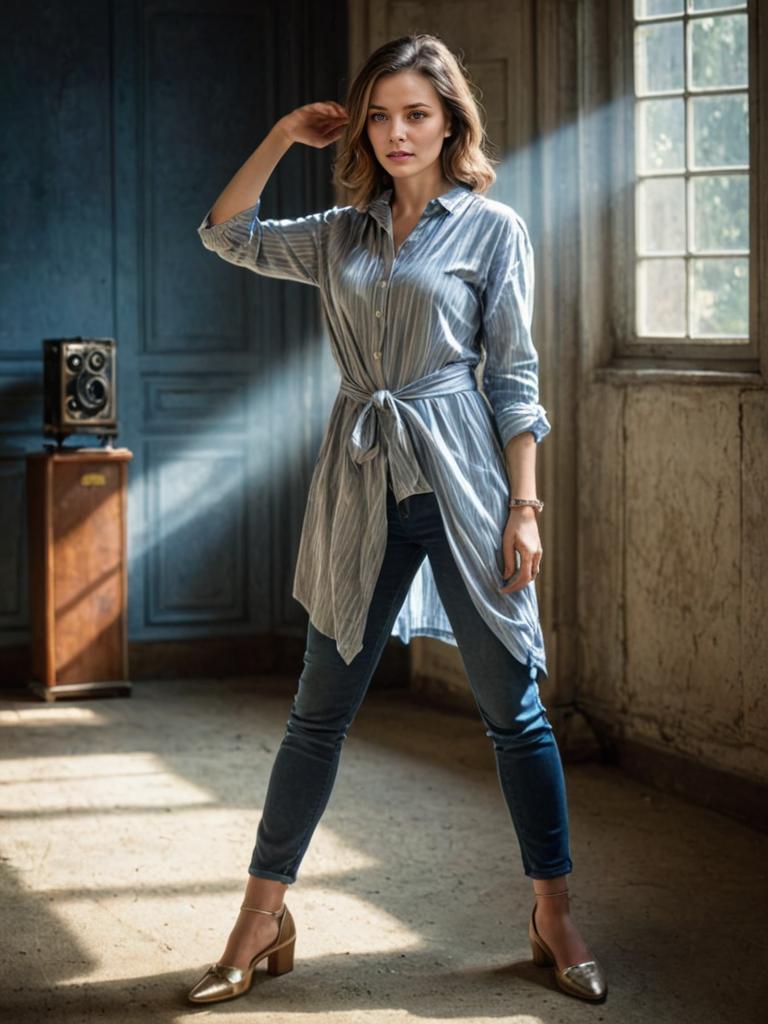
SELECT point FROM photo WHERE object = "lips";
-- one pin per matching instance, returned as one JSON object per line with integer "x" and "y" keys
{"x": 399, "y": 152}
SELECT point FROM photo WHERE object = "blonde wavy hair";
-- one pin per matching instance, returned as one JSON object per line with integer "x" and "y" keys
{"x": 464, "y": 156}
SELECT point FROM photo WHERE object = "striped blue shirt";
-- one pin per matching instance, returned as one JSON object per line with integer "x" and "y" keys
{"x": 414, "y": 332}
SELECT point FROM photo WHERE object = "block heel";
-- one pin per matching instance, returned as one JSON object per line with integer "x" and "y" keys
{"x": 281, "y": 961}
{"x": 540, "y": 957}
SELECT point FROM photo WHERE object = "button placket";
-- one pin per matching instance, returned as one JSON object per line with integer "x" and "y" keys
{"x": 379, "y": 312}
{"x": 412, "y": 236}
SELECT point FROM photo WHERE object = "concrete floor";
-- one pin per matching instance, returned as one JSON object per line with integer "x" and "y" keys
{"x": 128, "y": 824}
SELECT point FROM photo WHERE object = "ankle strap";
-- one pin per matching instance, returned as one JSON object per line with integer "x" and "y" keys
{"x": 256, "y": 910}
{"x": 560, "y": 892}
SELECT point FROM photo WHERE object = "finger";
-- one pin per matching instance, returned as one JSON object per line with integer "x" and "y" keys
{"x": 321, "y": 109}
{"x": 511, "y": 556}
{"x": 328, "y": 123}
{"x": 508, "y": 553}
{"x": 523, "y": 576}
{"x": 528, "y": 558}
{"x": 328, "y": 140}
{"x": 522, "y": 581}
{"x": 333, "y": 132}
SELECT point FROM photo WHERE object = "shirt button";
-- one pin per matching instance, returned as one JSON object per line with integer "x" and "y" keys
{"x": 377, "y": 355}
{"x": 378, "y": 312}
{"x": 383, "y": 284}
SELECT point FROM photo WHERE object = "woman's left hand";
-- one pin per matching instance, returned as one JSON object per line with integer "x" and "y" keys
{"x": 521, "y": 534}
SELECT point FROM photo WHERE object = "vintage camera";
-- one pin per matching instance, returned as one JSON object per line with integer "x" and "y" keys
{"x": 80, "y": 387}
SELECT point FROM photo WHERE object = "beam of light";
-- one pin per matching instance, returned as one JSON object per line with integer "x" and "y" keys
{"x": 217, "y": 463}
{"x": 94, "y": 782}
{"x": 50, "y": 714}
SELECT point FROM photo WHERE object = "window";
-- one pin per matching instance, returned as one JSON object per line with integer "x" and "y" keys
{"x": 691, "y": 171}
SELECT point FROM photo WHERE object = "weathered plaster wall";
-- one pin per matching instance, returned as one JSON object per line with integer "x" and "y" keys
{"x": 672, "y": 546}
{"x": 673, "y": 559}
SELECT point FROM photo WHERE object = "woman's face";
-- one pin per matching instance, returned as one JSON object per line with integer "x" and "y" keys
{"x": 405, "y": 114}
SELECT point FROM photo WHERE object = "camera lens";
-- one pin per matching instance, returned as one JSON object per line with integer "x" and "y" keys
{"x": 92, "y": 393}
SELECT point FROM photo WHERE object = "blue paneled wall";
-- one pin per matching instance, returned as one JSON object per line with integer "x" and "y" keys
{"x": 123, "y": 123}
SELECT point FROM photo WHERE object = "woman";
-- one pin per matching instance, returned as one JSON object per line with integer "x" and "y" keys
{"x": 418, "y": 472}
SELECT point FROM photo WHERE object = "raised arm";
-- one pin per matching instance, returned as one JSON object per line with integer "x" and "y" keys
{"x": 285, "y": 248}
{"x": 315, "y": 124}
{"x": 245, "y": 188}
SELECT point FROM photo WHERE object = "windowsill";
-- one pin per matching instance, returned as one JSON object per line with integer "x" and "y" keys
{"x": 624, "y": 375}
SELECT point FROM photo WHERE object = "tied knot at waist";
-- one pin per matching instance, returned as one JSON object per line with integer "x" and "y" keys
{"x": 381, "y": 396}
{"x": 381, "y": 415}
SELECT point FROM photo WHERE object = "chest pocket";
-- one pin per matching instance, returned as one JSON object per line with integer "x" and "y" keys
{"x": 466, "y": 270}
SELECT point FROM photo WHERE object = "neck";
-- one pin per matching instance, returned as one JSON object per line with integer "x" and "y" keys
{"x": 410, "y": 197}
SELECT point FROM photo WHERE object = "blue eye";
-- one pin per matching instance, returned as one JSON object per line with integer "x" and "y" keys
{"x": 377, "y": 112}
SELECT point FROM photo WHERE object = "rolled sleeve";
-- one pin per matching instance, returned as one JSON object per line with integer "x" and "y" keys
{"x": 511, "y": 373}
{"x": 287, "y": 248}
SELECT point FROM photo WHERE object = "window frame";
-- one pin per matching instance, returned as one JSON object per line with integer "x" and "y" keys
{"x": 627, "y": 350}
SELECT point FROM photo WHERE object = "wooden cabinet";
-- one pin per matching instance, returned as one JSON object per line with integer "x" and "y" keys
{"x": 76, "y": 506}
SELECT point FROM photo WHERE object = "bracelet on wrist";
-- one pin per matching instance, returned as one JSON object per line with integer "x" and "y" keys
{"x": 533, "y": 502}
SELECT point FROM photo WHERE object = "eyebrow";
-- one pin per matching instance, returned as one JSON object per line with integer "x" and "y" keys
{"x": 378, "y": 106}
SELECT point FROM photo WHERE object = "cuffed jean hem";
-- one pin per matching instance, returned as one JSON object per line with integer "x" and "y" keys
{"x": 258, "y": 873}
{"x": 566, "y": 869}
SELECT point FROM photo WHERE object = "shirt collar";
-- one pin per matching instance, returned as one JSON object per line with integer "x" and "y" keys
{"x": 378, "y": 207}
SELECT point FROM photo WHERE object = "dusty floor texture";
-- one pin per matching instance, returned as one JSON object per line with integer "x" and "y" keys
{"x": 127, "y": 825}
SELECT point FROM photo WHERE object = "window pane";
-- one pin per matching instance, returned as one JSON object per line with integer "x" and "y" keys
{"x": 661, "y": 297}
{"x": 710, "y": 5}
{"x": 720, "y": 212}
{"x": 692, "y": 180}
{"x": 652, "y": 8}
{"x": 660, "y": 135}
{"x": 720, "y": 298}
{"x": 659, "y": 58}
{"x": 718, "y": 51}
{"x": 719, "y": 131}
{"x": 661, "y": 215}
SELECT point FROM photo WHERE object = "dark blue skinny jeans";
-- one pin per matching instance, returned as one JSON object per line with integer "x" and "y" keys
{"x": 330, "y": 692}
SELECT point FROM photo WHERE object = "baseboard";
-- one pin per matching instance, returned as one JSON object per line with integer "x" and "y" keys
{"x": 734, "y": 795}
{"x": 210, "y": 657}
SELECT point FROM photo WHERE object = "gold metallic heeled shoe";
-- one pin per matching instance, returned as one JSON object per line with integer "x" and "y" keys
{"x": 221, "y": 981}
{"x": 585, "y": 980}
